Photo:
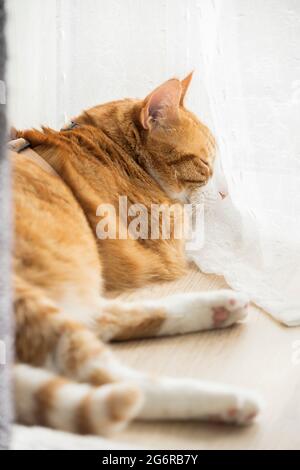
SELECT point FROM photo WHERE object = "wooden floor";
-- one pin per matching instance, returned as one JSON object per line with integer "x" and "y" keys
{"x": 256, "y": 354}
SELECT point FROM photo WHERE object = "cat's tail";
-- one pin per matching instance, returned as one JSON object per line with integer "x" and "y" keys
{"x": 67, "y": 399}
{"x": 44, "y": 398}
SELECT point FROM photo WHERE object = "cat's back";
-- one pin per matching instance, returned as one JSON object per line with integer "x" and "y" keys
{"x": 52, "y": 234}
{"x": 41, "y": 195}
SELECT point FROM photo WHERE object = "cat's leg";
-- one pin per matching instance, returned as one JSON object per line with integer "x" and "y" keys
{"x": 46, "y": 399}
{"x": 172, "y": 315}
{"x": 167, "y": 398}
{"x": 182, "y": 399}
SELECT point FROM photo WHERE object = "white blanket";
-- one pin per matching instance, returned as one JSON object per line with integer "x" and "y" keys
{"x": 38, "y": 438}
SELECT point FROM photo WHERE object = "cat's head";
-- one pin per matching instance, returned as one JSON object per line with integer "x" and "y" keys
{"x": 176, "y": 149}
{"x": 179, "y": 150}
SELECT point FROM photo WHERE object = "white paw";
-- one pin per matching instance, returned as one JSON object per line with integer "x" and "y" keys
{"x": 240, "y": 407}
{"x": 197, "y": 311}
{"x": 227, "y": 308}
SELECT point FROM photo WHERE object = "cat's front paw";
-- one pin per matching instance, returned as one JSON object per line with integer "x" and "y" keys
{"x": 227, "y": 308}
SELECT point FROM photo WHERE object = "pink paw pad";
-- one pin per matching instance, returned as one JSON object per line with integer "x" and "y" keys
{"x": 232, "y": 413}
{"x": 220, "y": 314}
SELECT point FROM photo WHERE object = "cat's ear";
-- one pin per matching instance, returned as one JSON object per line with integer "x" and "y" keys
{"x": 162, "y": 104}
{"x": 185, "y": 83}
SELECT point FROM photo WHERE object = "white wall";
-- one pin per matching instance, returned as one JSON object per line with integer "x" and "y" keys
{"x": 32, "y": 73}
{"x": 66, "y": 55}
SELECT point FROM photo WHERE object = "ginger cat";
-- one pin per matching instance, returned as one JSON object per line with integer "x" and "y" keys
{"x": 153, "y": 151}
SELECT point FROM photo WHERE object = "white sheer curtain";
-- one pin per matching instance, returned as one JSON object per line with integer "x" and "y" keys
{"x": 251, "y": 52}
